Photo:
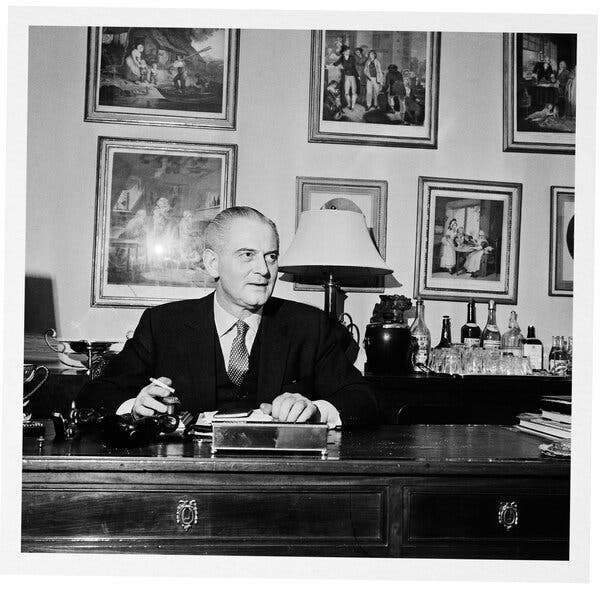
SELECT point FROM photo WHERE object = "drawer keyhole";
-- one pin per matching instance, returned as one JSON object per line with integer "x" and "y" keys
{"x": 187, "y": 513}
{"x": 508, "y": 515}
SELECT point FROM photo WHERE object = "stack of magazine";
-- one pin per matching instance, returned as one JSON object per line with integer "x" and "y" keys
{"x": 552, "y": 421}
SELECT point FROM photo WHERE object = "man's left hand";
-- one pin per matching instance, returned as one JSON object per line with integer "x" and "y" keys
{"x": 292, "y": 408}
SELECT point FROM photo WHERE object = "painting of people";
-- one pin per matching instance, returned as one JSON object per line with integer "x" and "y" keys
{"x": 377, "y": 87}
{"x": 468, "y": 239}
{"x": 547, "y": 82}
{"x": 154, "y": 202}
{"x": 540, "y": 92}
{"x": 162, "y": 76}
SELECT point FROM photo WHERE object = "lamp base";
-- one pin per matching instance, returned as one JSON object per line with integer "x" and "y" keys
{"x": 333, "y": 296}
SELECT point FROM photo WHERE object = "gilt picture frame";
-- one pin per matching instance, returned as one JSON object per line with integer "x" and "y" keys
{"x": 183, "y": 77}
{"x": 154, "y": 200}
{"x": 387, "y": 111}
{"x": 467, "y": 240}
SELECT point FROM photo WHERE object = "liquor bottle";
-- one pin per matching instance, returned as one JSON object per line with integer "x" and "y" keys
{"x": 533, "y": 350}
{"x": 490, "y": 337}
{"x": 558, "y": 359}
{"x": 470, "y": 333}
{"x": 422, "y": 336}
{"x": 512, "y": 339}
{"x": 446, "y": 338}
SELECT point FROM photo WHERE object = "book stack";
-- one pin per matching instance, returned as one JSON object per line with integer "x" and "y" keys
{"x": 553, "y": 421}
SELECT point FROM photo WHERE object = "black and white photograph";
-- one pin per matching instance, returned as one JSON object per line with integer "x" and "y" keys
{"x": 294, "y": 295}
{"x": 468, "y": 245}
{"x": 375, "y": 87}
{"x": 162, "y": 76}
{"x": 540, "y": 85}
{"x": 154, "y": 203}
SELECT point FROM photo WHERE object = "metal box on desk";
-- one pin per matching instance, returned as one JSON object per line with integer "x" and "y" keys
{"x": 267, "y": 436}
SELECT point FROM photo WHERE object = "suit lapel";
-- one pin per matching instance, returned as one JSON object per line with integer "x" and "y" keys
{"x": 200, "y": 345}
{"x": 274, "y": 347}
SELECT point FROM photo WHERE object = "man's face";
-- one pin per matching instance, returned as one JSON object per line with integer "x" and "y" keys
{"x": 246, "y": 264}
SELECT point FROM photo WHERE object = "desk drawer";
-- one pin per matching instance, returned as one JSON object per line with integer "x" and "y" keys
{"x": 197, "y": 519}
{"x": 494, "y": 514}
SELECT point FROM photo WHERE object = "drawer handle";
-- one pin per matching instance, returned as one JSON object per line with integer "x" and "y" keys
{"x": 187, "y": 513}
{"x": 508, "y": 515}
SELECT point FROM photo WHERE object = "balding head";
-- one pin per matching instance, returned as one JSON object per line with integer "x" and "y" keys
{"x": 217, "y": 230}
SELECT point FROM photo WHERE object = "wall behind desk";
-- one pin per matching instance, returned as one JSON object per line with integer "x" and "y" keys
{"x": 273, "y": 149}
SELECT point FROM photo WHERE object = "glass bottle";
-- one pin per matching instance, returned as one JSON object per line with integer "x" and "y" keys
{"x": 470, "y": 333}
{"x": 570, "y": 355}
{"x": 490, "y": 337}
{"x": 446, "y": 337}
{"x": 422, "y": 336}
{"x": 558, "y": 359}
{"x": 533, "y": 350}
{"x": 512, "y": 339}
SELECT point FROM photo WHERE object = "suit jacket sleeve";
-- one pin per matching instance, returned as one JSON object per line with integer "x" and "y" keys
{"x": 339, "y": 382}
{"x": 126, "y": 374}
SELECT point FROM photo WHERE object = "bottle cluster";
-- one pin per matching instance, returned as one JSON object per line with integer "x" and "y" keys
{"x": 511, "y": 343}
{"x": 560, "y": 360}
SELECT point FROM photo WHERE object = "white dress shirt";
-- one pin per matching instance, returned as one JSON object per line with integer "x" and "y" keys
{"x": 225, "y": 324}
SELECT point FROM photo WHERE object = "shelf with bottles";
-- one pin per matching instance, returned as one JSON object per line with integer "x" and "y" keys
{"x": 487, "y": 351}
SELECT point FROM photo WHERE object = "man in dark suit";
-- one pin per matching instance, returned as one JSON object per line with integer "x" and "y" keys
{"x": 238, "y": 347}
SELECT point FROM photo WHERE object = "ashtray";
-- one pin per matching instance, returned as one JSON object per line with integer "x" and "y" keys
{"x": 557, "y": 449}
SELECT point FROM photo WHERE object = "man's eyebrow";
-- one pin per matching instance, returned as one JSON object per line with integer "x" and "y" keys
{"x": 244, "y": 249}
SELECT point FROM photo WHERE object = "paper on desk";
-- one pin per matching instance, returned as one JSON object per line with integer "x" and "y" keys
{"x": 205, "y": 419}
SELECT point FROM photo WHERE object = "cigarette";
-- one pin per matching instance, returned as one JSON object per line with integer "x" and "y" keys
{"x": 159, "y": 383}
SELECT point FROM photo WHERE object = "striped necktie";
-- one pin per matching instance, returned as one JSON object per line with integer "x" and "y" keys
{"x": 239, "y": 361}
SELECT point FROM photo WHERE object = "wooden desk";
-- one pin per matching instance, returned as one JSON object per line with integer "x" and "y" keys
{"x": 396, "y": 491}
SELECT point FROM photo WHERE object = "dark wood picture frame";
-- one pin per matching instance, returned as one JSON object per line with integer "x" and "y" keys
{"x": 558, "y": 285}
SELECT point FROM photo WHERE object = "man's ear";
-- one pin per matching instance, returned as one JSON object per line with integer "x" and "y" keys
{"x": 211, "y": 262}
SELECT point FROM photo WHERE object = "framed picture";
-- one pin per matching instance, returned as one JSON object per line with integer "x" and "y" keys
{"x": 562, "y": 241}
{"x": 540, "y": 92}
{"x": 368, "y": 197}
{"x": 162, "y": 76}
{"x": 374, "y": 88}
{"x": 467, "y": 240}
{"x": 154, "y": 201}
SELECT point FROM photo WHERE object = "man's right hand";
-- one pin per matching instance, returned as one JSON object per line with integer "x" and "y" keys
{"x": 147, "y": 403}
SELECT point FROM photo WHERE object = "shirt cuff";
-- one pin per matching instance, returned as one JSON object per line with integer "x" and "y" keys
{"x": 329, "y": 413}
{"x": 126, "y": 407}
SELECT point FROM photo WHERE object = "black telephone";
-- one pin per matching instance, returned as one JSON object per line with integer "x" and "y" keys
{"x": 125, "y": 430}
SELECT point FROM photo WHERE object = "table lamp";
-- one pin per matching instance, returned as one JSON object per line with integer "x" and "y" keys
{"x": 334, "y": 246}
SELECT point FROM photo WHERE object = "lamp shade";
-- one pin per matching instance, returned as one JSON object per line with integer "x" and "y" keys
{"x": 336, "y": 242}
